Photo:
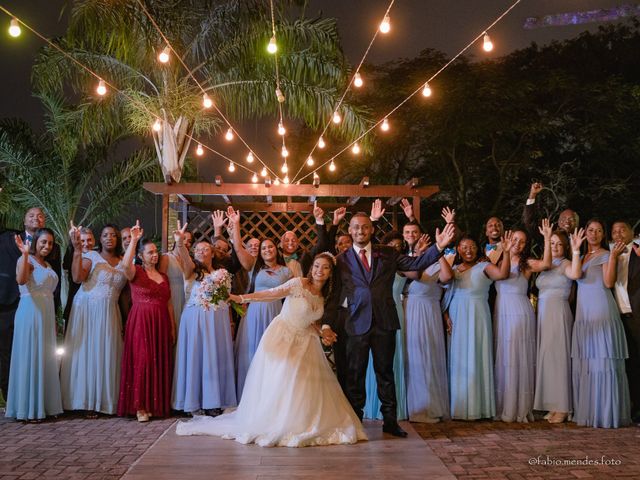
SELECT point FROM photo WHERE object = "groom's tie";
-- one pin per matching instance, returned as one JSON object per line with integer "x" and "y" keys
{"x": 365, "y": 262}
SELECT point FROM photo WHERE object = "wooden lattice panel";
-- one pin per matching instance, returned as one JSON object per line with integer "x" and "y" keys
{"x": 274, "y": 224}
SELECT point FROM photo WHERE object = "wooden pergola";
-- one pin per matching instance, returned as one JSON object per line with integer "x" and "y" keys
{"x": 276, "y": 208}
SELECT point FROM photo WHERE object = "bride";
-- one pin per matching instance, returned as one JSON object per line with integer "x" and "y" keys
{"x": 291, "y": 397}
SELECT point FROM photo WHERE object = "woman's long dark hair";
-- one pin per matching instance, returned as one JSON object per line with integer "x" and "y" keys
{"x": 36, "y": 236}
{"x": 327, "y": 288}
{"x": 259, "y": 265}
{"x": 523, "y": 263}
{"x": 200, "y": 269}
{"x": 119, "y": 251}
{"x": 603, "y": 243}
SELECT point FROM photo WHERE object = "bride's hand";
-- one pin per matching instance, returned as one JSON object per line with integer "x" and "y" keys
{"x": 328, "y": 337}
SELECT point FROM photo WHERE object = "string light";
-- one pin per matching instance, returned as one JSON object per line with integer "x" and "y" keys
{"x": 263, "y": 173}
{"x": 281, "y": 129}
{"x": 356, "y": 148}
{"x": 286, "y": 179}
{"x": 229, "y": 135}
{"x": 487, "y": 44}
{"x": 284, "y": 152}
{"x": 199, "y": 150}
{"x": 232, "y": 167}
{"x": 426, "y": 90}
{"x": 310, "y": 161}
{"x": 357, "y": 80}
{"x": 385, "y": 125}
{"x": 14, "y": 28}
{"x": 279, "y": 95}
{"x": 284, "y": 168}
{"x": 336, "y": 118}
{"x": 206, "y": 101}
{"x": 157, "y": 126}
{"x": 102, "y": 88}
{"x": 332, "y": 166}
{"x": 272, "y": 48}
{"x": 321, "y": 142}
{"x": 164, "y": 55}
{"x": 254, "y": 179}
{"x": 385, "y": 26}
{"x": 276, "y": 181}
{"x": 250, "y": 157}
{"x": 60, "y": 351}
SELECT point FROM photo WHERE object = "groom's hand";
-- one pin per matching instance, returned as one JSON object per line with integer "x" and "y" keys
{"x": 328, "y": 336}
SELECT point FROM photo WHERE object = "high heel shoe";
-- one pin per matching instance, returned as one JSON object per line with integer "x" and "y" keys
{"x": 558, "y": 417}
{"x": 142, "y": 416}
{"x": 549, "y": 415}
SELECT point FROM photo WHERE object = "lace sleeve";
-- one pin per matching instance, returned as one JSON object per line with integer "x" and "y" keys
{"x": 275, "y": 293}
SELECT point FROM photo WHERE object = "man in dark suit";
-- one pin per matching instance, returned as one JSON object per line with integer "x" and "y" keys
{"x": 627, "y": 293}
{"x": 363, "y": 282}
{"x": 34, "y": 219}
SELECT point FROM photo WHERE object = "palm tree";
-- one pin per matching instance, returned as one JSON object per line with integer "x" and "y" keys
{"x": 224, "y": 44}
{"x": 66, "y": 177}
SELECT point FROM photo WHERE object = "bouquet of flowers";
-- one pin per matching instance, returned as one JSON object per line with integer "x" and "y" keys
{"x": 214, "y": 291}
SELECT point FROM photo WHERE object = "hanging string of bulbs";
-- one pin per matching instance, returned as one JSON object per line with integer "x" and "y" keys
{"x": 104, "y": 86}
{"x": 357, "y": 81}
{"x": 383, "y": 123}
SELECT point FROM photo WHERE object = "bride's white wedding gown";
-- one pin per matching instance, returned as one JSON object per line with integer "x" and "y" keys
{"x": 291, "y": 397}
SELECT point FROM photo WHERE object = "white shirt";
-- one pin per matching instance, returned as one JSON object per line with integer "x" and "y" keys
{"x": 620, "y": 288}
{"x": 367, "y": 248}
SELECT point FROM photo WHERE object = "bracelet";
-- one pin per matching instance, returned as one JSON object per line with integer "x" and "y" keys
{"x": 576, "y": 252}
{"x": 241, "y": 298}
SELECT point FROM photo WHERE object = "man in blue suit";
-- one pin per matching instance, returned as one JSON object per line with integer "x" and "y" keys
{"x": 363, "y": 284}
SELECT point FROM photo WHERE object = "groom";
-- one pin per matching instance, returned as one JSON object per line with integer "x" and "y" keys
{"x": 363, "y": 286}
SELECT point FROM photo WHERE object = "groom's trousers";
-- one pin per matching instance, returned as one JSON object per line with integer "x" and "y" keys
{"x": 382, "y": 344}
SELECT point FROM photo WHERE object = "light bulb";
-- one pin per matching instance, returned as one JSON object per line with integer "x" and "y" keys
{"x": 385, "y": 26}
{"x": 284, "y": 168}
{"x": 164, "y": 55}
{"x": 229, "y": 135}
{"x": 281, "y": 129}
{"x": 385, "y": 125}
{"x": 250, "y": 157}
{"x": 263, "y": 173}
{"x": 254, "y": 179}
{"x": 273, "y": 46}
{"x": 357, "y": 81}
{"x": 487, "y": 44}
{"x": 321, "y": 143}
{"x": 280, "y": 95}
{"x": 286, "y": 179}
{"x": 336, "y": 118}
{"x": 310, "y": 161}
{"x": 206, "y": 101}
{"x": 199, "y": 150}
{"x": 316, "y": 176}
{"x": 14, "y": 28}
{"x": 426, "y": 90}
{"x": 284, "y": 152}
{"x": 102, "y": 88}
{"x": 157, "y": 126}
{"x": 232, "y": 167}
{"x": 356, "y": 148}
{"x": 332, "y": 166}
{"x": 276, "y": 181}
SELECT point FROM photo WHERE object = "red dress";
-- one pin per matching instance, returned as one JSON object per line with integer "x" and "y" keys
{"x": 147, "y": 361}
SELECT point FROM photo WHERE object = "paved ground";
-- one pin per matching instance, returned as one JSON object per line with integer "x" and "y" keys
{"x": 75, "y": 448}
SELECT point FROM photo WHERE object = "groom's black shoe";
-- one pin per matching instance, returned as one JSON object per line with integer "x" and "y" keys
{"x": 394, "y": 429}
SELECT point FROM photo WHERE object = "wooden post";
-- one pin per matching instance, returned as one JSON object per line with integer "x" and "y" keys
{"x": 416, "y": 208}
{"x": 165, "y": 222}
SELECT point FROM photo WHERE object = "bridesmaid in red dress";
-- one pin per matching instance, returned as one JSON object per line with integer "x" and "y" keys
{"x": 147, "y": 361}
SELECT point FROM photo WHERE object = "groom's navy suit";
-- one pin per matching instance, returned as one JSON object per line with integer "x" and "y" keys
{"x": 371, "y": 319}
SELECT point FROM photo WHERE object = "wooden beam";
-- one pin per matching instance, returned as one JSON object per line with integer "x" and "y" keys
{"x": 413, "y": 185}
{"x": 165, "y": 223}
{"x": 273, "y": 207}
{"x": 305, "y": 190}
{"x": 416, "y": 208}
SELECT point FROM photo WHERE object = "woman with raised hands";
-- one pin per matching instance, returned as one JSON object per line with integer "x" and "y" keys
{"x": 515, "y": 330}
{"x": 204, "y": 375}
{"x": 147, "y": 361}
{"x": 599, "y": 345}
{"x": 267, "y": 270}
{"x": 90, "y": 370}
{"x": 471, "y": 385}
{"x": 34, "y": 385}
{"x": 555, "y": 321}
